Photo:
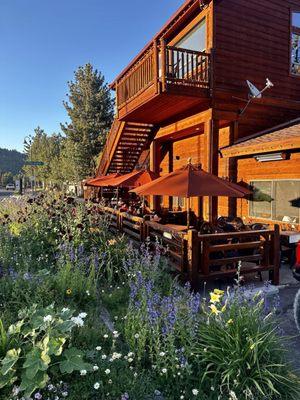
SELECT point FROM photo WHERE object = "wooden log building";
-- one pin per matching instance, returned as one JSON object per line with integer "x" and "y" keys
{"x": 183, "y": 94}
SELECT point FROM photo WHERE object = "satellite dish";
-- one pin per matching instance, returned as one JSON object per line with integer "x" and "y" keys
{"x": 255, "y": 93}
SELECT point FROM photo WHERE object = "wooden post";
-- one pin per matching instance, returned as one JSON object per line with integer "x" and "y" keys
{"x": 232, "y": 168}
{"x": 211, "y": 134}
{"x": 171, "y": 168}
{"x": 205, "y": 258}
{"x": 120, "y": 221}
{"x": 156, "y": 66}
{"x": 275, "y": 274}
{"x": 142, "y": 231}
{"x": 163, "y": 64}
{"x": 193, "y": 258}
{"x": 155, "y": 167}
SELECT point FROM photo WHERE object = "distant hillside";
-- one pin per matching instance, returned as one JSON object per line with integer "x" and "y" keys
{"x": 11, "y": 161}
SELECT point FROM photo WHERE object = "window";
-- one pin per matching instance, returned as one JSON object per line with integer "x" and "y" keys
{"x": 195, "y": 39}
{"x": 186, "y": 63}
{"x": 261, "y": 204}
{"x": 295, "y": 53}
{"x": 276, "y": 200}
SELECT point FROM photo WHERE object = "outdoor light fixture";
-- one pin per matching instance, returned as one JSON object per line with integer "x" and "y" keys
{"x": 270, "y": 157}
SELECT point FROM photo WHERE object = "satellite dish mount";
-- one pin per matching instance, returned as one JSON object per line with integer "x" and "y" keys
{"x": 254, "y": 93}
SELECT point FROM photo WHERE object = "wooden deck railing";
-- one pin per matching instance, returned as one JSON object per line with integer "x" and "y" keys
{"x": 164, "y": 65}
{"x": 137, "y": 79}
{"x": 187, "y": 67}
{"x": 219, "y": 255}
{"x": 174, "y": 244}
{"x": 206, "y": 257}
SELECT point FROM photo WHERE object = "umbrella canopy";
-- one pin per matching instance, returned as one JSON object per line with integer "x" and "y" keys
{"x": 100, "y": 180}
{"x": 191, "y": 182}
{"x": 133, "y": 179}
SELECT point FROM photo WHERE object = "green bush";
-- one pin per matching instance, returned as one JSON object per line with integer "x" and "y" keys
{"x": 39, "y": 346}
{"x": 240, "y": 353}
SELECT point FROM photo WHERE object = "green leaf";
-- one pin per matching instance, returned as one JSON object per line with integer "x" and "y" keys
{"x": 37, "y": 321}
{"x": 30, "y": 385}
{"x": 10, "y": 360}
{"x": 36, "y": 361}
{"x": 72, "y": 361}
{"x": 15, "y": 328}
{"x": 66, "y": 326}
{"x": 56, "y": 346}
{"x": 7, "y": 379}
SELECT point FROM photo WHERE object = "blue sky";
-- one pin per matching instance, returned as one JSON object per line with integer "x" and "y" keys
{"x": 44, "y": 41}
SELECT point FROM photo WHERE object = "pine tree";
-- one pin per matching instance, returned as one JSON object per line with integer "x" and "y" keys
{"x": 90, "y": 109}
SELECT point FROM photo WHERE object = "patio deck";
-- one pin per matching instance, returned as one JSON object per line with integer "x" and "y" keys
{"x": 200, "y": 258}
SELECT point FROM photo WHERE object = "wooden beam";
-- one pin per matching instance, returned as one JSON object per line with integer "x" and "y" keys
{"x": 232, "y": 168}
{"x": 211, "y": 161}
{"x": 190, "y": 123}
{"x": 155, "y": 149}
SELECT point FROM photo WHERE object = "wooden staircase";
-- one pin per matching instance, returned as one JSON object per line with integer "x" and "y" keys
{"x": 124, "y": 145}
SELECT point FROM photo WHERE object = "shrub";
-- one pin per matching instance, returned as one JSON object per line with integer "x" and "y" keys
{"x": 39, "y": 346}
{"x": 240, "y": 353}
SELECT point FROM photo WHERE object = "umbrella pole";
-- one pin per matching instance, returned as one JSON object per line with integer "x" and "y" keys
{"x": 188, "y": 213}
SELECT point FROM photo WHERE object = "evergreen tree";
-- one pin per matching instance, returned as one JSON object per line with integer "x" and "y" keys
{"x": 11, "y": 161}
{"x": 46, "y": 149}
{"x": 90, "y": 109}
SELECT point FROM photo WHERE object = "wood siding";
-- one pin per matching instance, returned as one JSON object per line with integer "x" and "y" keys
{"x": 252, "y": 41}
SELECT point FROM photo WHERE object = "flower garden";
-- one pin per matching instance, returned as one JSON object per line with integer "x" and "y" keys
{"x": 85, "y": 315}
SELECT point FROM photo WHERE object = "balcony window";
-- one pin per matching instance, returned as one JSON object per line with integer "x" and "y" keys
{"x": 189, "y": 63}
{"x": 276, "y": 200}
{"x": 295, "y": 47}
{"x": 195, "y": 39}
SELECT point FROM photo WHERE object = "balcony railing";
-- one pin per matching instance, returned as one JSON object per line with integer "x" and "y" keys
{"x": 187, "y": 67}
{"x": 164, "y": 66}
{"x": 137, "y": 79}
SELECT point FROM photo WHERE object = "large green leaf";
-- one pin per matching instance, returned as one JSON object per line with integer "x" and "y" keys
{"x": 66, "y": 326}
{"x": 72, "y": 361}
{"x": 30, "y": 385}
{"x": 55, "y": 346}
{"x": 9, "y": 361}
{"x": 7, "y": 379}
{"x": 36, "y": 361}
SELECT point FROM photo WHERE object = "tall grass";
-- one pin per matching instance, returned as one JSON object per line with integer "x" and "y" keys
{"x": 242, "y": 354}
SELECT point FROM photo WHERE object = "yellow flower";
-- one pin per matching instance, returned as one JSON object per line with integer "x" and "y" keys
{"x": 215, "y": 298}
{"x": 214, "y": 309}
{"x": 69, "y": 291}
{"x": 112, "y": 242}
{"x": 230, "y": 321}
{"x": 219, "y": 292}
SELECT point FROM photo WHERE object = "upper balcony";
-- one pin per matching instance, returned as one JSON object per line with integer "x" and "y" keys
{"x": 163, "y": 82}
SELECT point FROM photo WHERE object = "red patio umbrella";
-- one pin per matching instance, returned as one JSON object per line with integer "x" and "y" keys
{"x": 100, "y": 181}
{"x": 133, "y": 179}
{"x": 191, "y": 182}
